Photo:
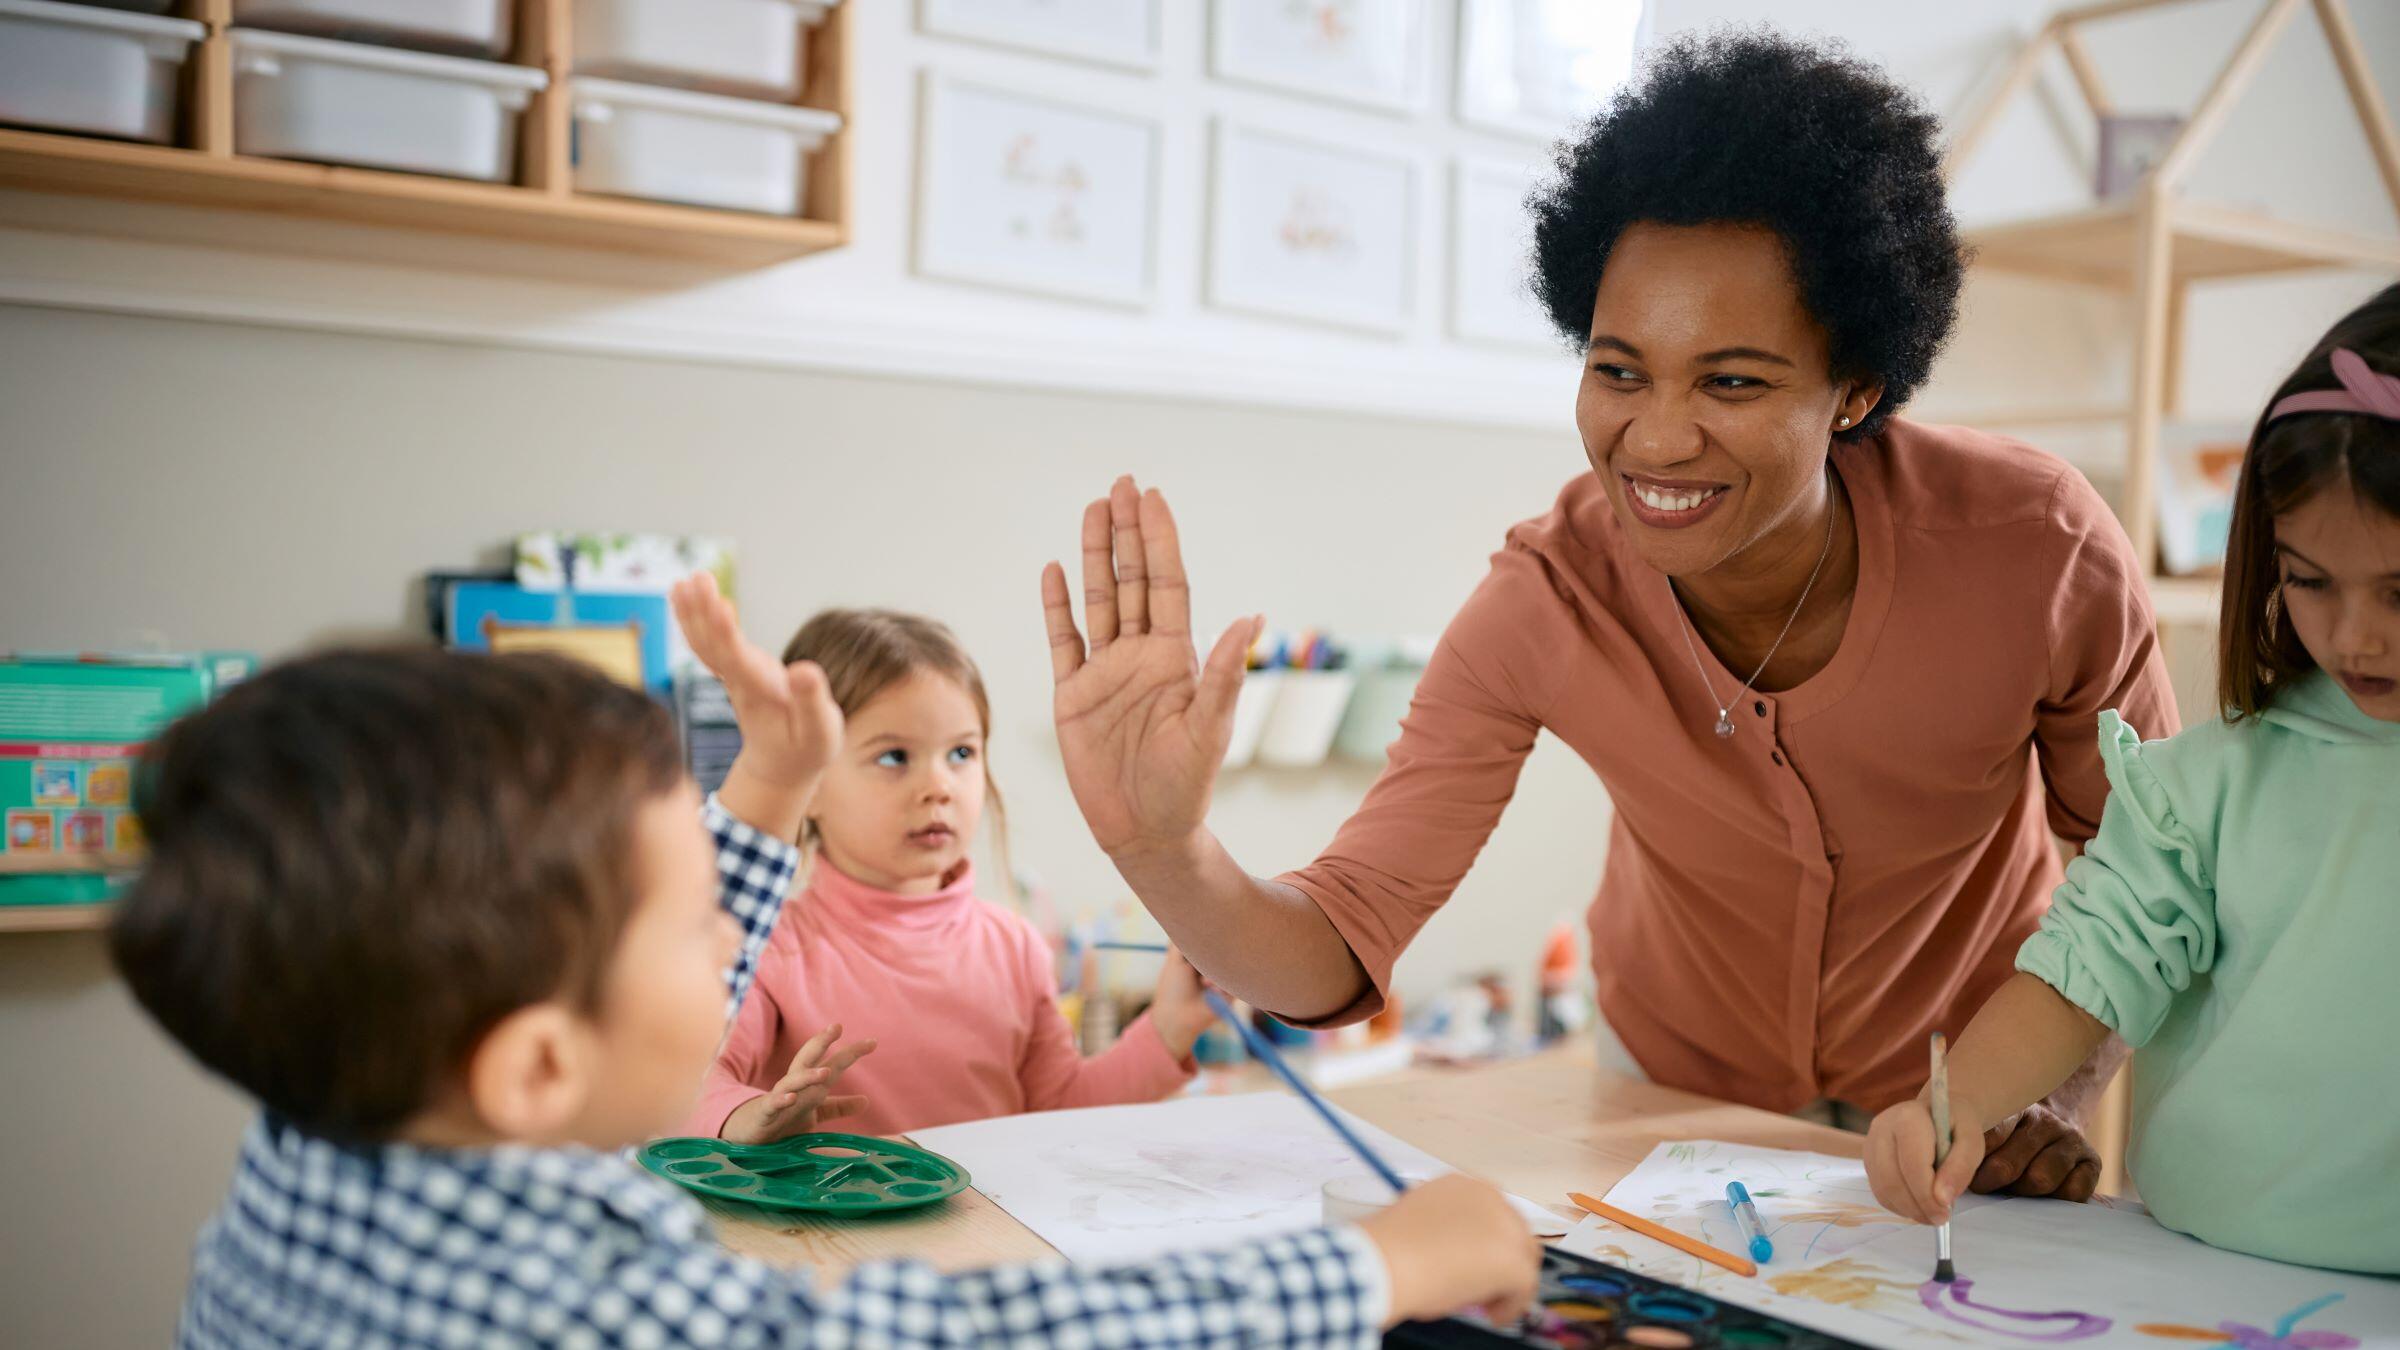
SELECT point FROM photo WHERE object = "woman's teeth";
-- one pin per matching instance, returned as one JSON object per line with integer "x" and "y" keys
{"x": 1678, "y": 499}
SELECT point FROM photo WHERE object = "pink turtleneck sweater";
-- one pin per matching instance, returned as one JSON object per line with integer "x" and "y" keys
{"x": 961, "y": 996}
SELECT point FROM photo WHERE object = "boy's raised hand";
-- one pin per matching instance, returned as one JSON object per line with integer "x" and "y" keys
{"x": 803, "y": 1097}
{"x": 790, "y": 725}
{"x": 1900, "y": 1160}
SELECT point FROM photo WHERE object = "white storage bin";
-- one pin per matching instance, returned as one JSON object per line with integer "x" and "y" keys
{"x": 347, "y": 103}
{"x": 467, "y": 27}
{"x": 1308, "y": 710}
{"x": 635, "y": 140}
{"x": 728, "y": 46}
{"x": 1250, "y": 711}
{"x": 89, "y": 69}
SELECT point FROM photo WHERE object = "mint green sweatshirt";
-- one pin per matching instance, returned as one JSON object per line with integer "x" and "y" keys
{"x": 2237, "y": 921}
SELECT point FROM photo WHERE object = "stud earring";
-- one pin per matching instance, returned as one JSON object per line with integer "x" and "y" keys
{"x": 1845, "y": 422}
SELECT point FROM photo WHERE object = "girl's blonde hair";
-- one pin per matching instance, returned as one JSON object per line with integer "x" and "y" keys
{"x": 866, "y": 651}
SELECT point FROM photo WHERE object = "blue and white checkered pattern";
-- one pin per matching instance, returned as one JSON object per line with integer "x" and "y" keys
{"x": 393, "y": 1244}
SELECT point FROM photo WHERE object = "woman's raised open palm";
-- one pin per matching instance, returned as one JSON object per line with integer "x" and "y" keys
{"x": 1142, "y": 724}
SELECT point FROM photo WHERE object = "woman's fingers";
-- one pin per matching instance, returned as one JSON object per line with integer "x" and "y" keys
{"x": 1162, "y": 559}
{"x": 1221, "y": 682}
{"x": 1133, "y": 570}
{"x": 1099, "y": 577}
{"x": 1058, "y": 616}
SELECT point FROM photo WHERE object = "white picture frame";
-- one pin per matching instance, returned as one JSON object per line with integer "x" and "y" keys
{"x": 1491, "y": 245}
{"x": 1537, "y": 68}
{"x": 1028, "y": 193}
{"x": 1306, "y": 229}
{"x": 1121, "y": 33}
{"x": 1370, "y": 53}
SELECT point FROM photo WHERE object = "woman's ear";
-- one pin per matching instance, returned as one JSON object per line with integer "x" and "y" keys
{"x": 1856, "y": 402}
{"x": 530, "y": 1076}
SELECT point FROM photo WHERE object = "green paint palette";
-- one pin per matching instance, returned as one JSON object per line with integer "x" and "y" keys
{"x": 819, "y": 1173}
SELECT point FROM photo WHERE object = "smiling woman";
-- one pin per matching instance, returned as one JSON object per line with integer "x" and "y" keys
{"x": 1839, "y": 671}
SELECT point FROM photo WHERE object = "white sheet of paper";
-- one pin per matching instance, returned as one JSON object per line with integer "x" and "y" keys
{"x": 2033, "y": 1272}
{"x": 1115, "y": 1185}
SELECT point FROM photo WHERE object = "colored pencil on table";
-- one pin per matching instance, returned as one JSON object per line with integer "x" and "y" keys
{"x": 1690, "y": 1246}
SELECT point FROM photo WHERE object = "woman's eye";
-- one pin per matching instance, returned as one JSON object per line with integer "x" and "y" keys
{"x": 892, "y": 759}
{"x": 1619, "y": 374}
{"x": 1732, "y": 382}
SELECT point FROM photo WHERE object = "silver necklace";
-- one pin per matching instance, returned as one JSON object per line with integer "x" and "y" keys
{"x": 1725, "y": 710}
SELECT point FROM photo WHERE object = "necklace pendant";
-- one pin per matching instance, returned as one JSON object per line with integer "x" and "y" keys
{"x": 1724, "y": 724}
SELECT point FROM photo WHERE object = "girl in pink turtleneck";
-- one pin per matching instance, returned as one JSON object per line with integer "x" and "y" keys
{"x": 956, "y": 996}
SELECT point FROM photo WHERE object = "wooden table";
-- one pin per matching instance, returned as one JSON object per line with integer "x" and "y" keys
{"x": 1538, "y": 1126}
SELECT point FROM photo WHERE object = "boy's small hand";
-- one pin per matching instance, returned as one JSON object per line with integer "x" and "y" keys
{"x": 1454, "y": 1243}
{"x": 802, "y": 1098}
{"x": 1177, "y": 1010}
{"x": 1900, "y": 1160}
{"x": 790, "y": 725}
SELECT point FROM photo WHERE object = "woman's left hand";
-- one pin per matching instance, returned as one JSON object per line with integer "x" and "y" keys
{"x": 2041, "y": 1152}
{"x": 1177, "y": 1009}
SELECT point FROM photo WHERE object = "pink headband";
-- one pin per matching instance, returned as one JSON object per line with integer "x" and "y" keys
{"x": 2365, "y": 391}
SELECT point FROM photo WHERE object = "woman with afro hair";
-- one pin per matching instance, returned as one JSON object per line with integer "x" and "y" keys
{"x": 1839, "y": 671}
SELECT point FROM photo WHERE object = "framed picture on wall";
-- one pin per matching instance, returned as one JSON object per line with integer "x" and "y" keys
{"x": 1369, "y": 52}
{"x": 1021, "y": 191}
{"x": 1535, "y": 68}
{"x": 1308, "y": 229}
{"x": 1115, "y": 32}
{"x": 1491, "y": 245}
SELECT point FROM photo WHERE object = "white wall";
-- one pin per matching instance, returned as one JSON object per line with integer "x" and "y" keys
{"x": 277, "y": 482}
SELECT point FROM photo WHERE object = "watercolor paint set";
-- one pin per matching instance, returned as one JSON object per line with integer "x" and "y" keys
{"x": 1587, "y": 1305}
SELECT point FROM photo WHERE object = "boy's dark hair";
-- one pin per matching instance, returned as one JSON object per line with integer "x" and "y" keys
{"x": 361, "y": 861}
{"x": 1754, "y": 128}
{"x": 2290, "y": 460}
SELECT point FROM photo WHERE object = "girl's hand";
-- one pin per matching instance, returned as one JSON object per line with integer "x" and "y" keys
{"x": 790, "y": 725}
{"x": 802, "y": 1098}
{"x": 1177, "y": 1011}
{"x": 1142, "y": 724}
{"x": 1900, "y": 1160}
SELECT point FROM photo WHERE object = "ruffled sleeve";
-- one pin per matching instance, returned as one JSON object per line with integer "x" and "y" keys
{"x": 2136, "y": 919}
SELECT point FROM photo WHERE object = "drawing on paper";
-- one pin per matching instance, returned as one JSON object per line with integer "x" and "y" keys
{"x": 1955, "y": 1301}
{"x": 2238, "y": 1336}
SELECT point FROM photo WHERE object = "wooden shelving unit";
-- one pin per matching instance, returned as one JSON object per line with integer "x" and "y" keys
{"x": 2156, "y": 246}
{"x": 540, "y": 206}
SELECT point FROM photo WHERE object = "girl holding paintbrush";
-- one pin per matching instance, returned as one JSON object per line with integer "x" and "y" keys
{"x": 2236, "y": 918}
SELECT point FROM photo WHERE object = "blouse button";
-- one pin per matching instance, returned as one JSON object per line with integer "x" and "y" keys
{"x": 1777, "y": 756}
{"x": 1762, "y": 708}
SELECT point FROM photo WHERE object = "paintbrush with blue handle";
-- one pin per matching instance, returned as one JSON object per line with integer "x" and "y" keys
{"x": 1265, "y": 1052}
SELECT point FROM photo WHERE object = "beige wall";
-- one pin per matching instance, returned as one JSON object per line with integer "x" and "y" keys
{"x": 217, "y": 485}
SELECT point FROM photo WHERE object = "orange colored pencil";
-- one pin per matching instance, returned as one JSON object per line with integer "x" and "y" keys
{"x": 1739, "y": 1265}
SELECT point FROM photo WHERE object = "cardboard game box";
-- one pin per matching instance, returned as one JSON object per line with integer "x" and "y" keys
{"x": 71, "y": 726}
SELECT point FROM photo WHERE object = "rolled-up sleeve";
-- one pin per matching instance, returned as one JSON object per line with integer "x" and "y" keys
{"x": 2135, "y": 921}
{"x": 1474, "y": 718}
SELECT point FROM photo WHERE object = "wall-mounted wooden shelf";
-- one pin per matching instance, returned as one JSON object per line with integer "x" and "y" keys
{"x": 540, "y": 206}
{"x": 54, "y": 918}
{"x": 2208, "y": 243}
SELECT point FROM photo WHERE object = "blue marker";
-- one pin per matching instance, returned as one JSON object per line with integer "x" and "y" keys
{"x": 1737, "y": 1199}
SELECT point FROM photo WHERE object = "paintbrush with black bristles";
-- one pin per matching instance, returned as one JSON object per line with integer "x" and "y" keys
{"x": 1943, "y": 1271}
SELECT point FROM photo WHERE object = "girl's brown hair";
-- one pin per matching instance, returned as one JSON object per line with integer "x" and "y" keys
{"x": 2291, "y": 459}
{"x": 866, "y": 651}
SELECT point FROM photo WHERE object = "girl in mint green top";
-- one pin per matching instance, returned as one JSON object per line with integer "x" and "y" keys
{"x": 2237, "y": 919}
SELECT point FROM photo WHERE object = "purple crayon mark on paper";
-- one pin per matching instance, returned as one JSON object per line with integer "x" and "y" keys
{"x": 2028, "y": 1326}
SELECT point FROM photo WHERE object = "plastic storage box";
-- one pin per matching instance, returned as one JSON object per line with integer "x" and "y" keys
{"x": 347, "y": 103}
{"x": 749, "y": 47}
{"x": 465, "y": 27}
{"x": 634, "y": 140}
{"x": 90, "y": 69}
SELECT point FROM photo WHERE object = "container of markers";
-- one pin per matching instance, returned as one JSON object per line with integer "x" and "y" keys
{"x": 1250, "y": 710}
{"x": 1387, "y": 683}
